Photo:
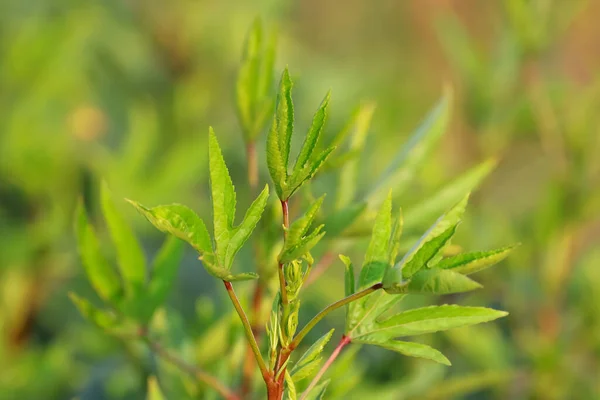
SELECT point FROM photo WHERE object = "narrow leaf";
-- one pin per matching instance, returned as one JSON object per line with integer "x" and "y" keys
{"x": 223, "y": 197}
{"x": 309, "y": 363}
{"x": 313, "y": 135}
{"x": 299, "y": 227}
{"x": 102, "y": 319}
{"x": 434, "y": 281}
{"x": 291, "y": 386}
{"x": 302, "y": 247}
{"x": 131, "y": 261}
{"x": 247, "y": 81}
{"x": 469, "y": 263}
{"x": 412, "y": 349}
{"x": 100, "y": 273}
{"x": 349, "y": 288}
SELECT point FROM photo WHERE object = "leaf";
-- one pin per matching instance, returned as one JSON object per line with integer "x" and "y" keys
{"x": 431, "y": 319}
{"x": 448, "y": 195}
{"x": 428, "y": 245}
{"x": 311, "y": 139}
{"x": 131, "y": 261}
{"x": 412, "y": 349}
{"x": 414, "y": 153}
{"x": 434, "y": 281}
{"x": 469, "y": 263}
{"x": 100, "y": 273}
{"x": 223, "y": 198}
{"x": 378, "y": 252}
{"x": 181, "y": 222}
{"x": 302, "y": 247}
{"x": 154, "y": 392}
{"x": 291, "y": 386}
{"x": 301, "y": 176}
{"x": 317, "y": 392}
{"x": 309, "y": 363}
{"x": 242, "y": 232}
{"x": 164, "y": 272}
{"x": 299, "y": 227}
{"x": 102, "y": 319}
{"x": 349, "y": 288}
{"x": 247, "y": 82}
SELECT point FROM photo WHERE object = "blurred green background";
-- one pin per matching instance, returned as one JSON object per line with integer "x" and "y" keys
{"x": 125, "y": 91}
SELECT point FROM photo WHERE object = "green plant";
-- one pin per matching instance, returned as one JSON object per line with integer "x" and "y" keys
{"x": 284, "y": 252}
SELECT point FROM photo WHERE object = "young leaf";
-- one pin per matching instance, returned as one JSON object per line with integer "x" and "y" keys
{"x": 164, "y": 272}
{"x": 469, "y": 263}
{"x": 299, "y": 227}
{"x": 300, "y": 176}
{"x": 100, "y": 273}
{"x": 223, "y": 197}
{"x": 308, "y": 364}
{"x": 414, "y": 153}
{"x": 427, "y": 247}
{"x": 302, "y": 247}
{"x": 181, "y": 222}
{"x": 412, "y": 349}
{"x": 298, "y": 242}
{"x": 419, "y": 321}
{"x": 291, "y": 386}
{"x": 313, "y": 135}
{"x": 378, "y": 252}
{"x": 433, "y": 281}
{"x": 242, "y": 232}
{"x": 131, "y": 261}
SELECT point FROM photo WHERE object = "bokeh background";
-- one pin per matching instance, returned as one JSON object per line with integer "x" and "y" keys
{"x": 126, "y": 90}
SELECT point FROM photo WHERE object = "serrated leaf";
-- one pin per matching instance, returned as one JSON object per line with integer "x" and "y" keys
{"x": 434, "y": 281}
{"x": 301, "y": 176}
{"x": 419, "y": 321}
{"x": 413, "y": 349}
{"x": 102, "y": 319}
{"x": 181, "y": 222}
{"x": 448, "y": 195}
{"x": 242, "y": 232}
{"x": 378, "y": 252}
{"x": 312, "y": 138}
{"x": 413, "y": 154}
{"x": 223, "y": 198}
{"x": 100, "y": 273}
{"x": 302, "y": 247}
{"x": 164, "y": 272}
{"x": 428, "y": 245}
{"x": 469, "y": 263}
{"x": 309, "y": 363}
{"x": 300, "y": 226}
{"x": 131, "y": 260}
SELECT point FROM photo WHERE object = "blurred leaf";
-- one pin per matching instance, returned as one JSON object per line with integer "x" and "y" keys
{"x": 297, "y": 241}
{"x": 339, "y": 220}
{"x": 102, "y": 319}
{"x": 310, "y": 361}
{"x": 412, "y": 349}
{"x": 130, "y": 256}
{"x": 100, "y": 273}
{"x": 318, "y": 391}
{"x": 154, "y": 392}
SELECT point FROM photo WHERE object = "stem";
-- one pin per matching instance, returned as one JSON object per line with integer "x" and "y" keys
{"x": 191, "y": 370}
{"x": 247, "y": 329}
{"x": 286, "y": 225}
{"x": 329, "y": 309}
{"x": 343, "y": 342}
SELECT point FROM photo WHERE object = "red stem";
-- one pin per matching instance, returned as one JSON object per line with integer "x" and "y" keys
{"x": 343, "y": 342}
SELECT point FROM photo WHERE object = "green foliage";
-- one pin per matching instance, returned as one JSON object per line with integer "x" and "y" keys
{"x": 310, "y": 361}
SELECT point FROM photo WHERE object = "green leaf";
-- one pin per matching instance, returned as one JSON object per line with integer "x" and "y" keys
{"x": 349, "y": 288}
{"x": 181, "y": 222}
{"x": 414, "y": 153}
{"x": 131, "y": 261}
{"x": 448, "y": 195}
{"x": 301, "y": 176}
{"x": 469, "y": 263}
{"x": 298, "y": 242}
{"x": 154, "y": 392}
{"x": 309, "y": 363}
{"x": 419, "y": 321}
{"x": 412, "y": 349}
{"x": 242, "y": 232}
{"x": 428, "y": 245}
{"x": 102, "y": 319}
{"x": 100, "y": 273}
{"x": 164, "y": 272}
{"x": 312, "y": 138}
{"x": 318, "y": 391}
{"x": 247, "y": 82}
{"x": 378, "y": 252}
{"x": 302, "y": 247}
{"x": 291, "y": 386}
{"x": 434, "y": 281}
{"x": 299, "y": 227}
{"x": 223, "y": 198}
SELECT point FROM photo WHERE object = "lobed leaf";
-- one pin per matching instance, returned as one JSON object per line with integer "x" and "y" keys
{"x": 131, "y": 260}
{"x": 100, "y": 273}
{"x": 309, "y": 363}
{"x": 469, "y": 263}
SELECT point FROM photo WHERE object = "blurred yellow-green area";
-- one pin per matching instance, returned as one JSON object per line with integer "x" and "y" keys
{"x": 124, "y": 91}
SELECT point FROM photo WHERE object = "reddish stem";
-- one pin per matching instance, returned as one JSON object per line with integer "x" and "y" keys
{"x": 343, "y": 343}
